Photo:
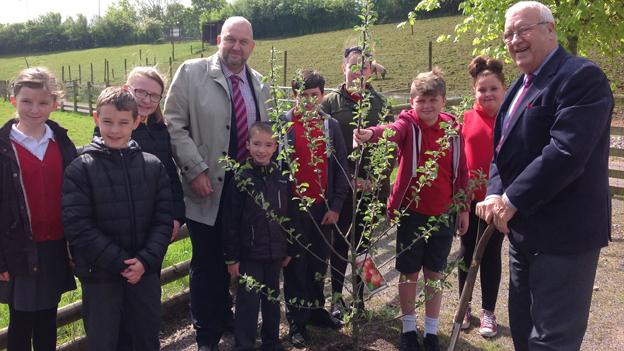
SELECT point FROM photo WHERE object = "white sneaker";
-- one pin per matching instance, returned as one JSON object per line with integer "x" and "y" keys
{"x": 489, "y": 327}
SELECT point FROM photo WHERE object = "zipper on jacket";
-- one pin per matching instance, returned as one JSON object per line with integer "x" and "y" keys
{"x": 130, "y": 203}
{"x": 253, "y": 235}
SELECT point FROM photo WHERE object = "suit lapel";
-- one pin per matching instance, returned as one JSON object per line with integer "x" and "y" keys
{"x": 541, "y": 81}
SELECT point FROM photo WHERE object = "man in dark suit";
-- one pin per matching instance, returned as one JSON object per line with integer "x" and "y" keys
{"x": 549, "y": 188}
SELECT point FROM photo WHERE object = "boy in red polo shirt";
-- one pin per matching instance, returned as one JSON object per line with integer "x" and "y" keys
{"x": 417, "y": 132}
{"x": 325, "y": 169}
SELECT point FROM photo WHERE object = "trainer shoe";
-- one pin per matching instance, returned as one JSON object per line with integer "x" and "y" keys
{"x": 409, "y": 341}
{"x": 489, "y": 327}
{"x": 467, "y": 317}
{"x": 431, "y": 342}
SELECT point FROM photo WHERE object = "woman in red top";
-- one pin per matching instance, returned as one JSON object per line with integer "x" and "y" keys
{"x": 489, "y": 90}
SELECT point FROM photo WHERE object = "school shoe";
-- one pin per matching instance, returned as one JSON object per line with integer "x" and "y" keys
{"x": 298, "y": 336}
{"x": 338, "y": 308}
{"x": 489, "y": 327}
{"x": 322, "y": 318}
{"x": 466, "y": 321}
{"x": 409, "y": 341}
{"x": 211, "y": 347}
{"x": 431, "y": 342}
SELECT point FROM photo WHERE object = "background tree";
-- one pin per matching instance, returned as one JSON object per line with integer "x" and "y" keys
{"x": 582, "y": 25}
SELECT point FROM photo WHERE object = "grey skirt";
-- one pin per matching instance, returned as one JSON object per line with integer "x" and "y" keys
{"x": 42, "y": 290}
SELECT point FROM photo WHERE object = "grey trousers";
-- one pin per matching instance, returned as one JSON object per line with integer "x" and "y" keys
{"x": 549, "y": 299}
{"x": 104, "y": 303}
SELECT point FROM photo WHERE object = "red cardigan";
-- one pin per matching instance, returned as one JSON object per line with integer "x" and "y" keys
{"x": 479, "y": 144}
{"x": 405, "y": 127}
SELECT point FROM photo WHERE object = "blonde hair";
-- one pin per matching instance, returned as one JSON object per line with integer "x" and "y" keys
{"x": 428, "y": 83}
{"x": 38, "y": 78}
{"x": 153, "y": 74}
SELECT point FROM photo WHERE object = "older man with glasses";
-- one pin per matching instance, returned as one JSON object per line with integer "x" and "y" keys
{"x": 549, "y": 187}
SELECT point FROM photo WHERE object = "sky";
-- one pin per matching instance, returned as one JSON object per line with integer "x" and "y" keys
{"x": 13, "y": 11}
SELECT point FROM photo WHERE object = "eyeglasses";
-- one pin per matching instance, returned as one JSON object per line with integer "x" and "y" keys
{"x": 142, "y": 94}
{"x": 520, "y": 32}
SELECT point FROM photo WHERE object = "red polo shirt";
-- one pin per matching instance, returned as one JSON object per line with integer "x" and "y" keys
{"x": 436, "y": 197}
{"x": 478, "y": 133}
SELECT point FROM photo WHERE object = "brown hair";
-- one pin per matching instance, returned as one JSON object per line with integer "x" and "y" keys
{"x": 38, "y": 78}
{"x": 311, "y": 79}
{"x": 153, "y": 74}
{"x": 121, "y": 98}
{"x": 428, "y": 83}
{"x": 482, "y": 66}
{"x": 261, "y": 126}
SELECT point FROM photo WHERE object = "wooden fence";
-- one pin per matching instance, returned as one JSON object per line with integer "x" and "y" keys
{"x": 616, "y": 165}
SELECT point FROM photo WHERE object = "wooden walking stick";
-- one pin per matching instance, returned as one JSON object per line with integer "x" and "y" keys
{"x": 469, "y": 284}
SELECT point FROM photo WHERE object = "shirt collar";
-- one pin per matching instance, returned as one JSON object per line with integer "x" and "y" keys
{"x": 228, "y": 73}
{"x": 20, "y": 137}
{"x": 537, "y": 71}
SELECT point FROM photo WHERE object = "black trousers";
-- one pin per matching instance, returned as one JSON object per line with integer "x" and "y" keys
{"x": 250, "y": 301}
{"x": 36, "y": 327}
{"x": 338, "y": 259}
{"x": 490, "y": 269}
{"x": 211, "y": 303}
{"x": 549, "y": 298}
{"x": 105, "y": 302}
{"x": 304, "y": 277}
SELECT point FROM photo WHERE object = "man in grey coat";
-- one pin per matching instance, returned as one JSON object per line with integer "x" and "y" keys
{"x": 210, "y": 106}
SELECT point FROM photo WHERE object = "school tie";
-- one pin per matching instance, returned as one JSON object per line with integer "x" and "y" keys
{"x": 527, "y": 84}
{"x": 240, "y": 112}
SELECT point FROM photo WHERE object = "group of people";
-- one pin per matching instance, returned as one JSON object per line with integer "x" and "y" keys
{"x": 119, "y": 201}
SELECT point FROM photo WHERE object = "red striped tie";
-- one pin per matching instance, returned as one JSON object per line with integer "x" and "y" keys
{"x": 241, "y": 118}
{"x": 527, "y": 83}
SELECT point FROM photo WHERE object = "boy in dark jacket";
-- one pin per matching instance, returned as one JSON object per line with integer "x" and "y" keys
{"x": 254, "y": 245}
{"x": 319, "y": 148}
{"x": 117, "y": 214}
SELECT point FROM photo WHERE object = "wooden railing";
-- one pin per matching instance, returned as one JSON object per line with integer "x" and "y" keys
{"x": 616, "y": 169}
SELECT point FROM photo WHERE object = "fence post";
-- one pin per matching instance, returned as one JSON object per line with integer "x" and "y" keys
{"x": 79, "y": 73}
{"x": 63, "y": 74}
{"x": 89, "y": 97}
{"x": 191, "y": 50}
{"x": 430, "y": 56}
{"x": 140, "y": 56}
{"x": 154, "y": 61}
{"x": 69, "y": 71}
{"x": 75, "y": 92}
{"x": 201, "y": 55}
{"x": 105, "y": 63}
{"x": 125, "y": 68}
{"x": 285, "y": 66}
{"x": 113, "y": 72}
{"x": 91, "y": 64}
{"x": 107, "y": 72}
{"x": 170, "y": 67}
{"x": 146, "y": 61}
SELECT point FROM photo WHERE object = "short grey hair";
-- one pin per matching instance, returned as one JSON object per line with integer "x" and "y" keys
{"x": 544, "y": 12}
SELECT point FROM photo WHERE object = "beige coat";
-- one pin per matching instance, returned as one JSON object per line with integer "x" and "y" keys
{"x": 198, "y": 113}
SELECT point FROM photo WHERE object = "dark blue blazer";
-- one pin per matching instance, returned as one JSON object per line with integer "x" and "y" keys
{"x": 553, "y": 161}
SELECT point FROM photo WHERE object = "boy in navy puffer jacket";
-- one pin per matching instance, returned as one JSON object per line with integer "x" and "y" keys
{"x": 255, "y": 245}
{"x": 117, "y": 213}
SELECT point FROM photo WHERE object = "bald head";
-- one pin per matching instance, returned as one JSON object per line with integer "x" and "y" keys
{"x": 235, "y": 43}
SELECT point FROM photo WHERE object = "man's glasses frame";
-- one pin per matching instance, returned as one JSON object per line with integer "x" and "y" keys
{"x": 521, "y": 32}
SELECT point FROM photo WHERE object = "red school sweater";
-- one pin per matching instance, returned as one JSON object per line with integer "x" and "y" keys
{"x": 43, "y": 184}
{"x": 478, "y": 133}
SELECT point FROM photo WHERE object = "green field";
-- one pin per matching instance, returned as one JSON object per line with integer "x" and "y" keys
{"x": 402, "y": 53}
